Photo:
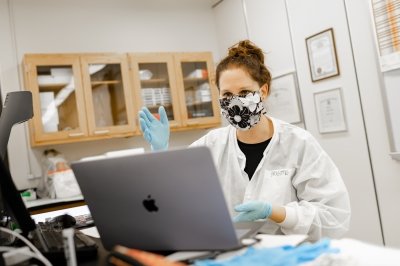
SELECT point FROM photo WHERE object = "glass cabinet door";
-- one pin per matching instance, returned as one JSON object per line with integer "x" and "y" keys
{"x": 57, "y": 97}
{"x": 199, "y": 93}
{"x": 107, "y": 88}
{"x": 156, "y": 80}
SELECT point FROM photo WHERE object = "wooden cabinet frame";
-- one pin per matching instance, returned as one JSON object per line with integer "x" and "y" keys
{"x": 31, "y": 80}
{"x": 137, "y": 58}
{"x": 116, "y": 130}
{"x": 84, "y": 104}
{"x": 129, "y": 64}
{"x": 205, "y": 121}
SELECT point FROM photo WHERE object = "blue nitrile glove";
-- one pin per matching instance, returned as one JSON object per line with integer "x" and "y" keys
{"x": 252, "y": 210}
{"x": 286, "y": 255}
{"x": 307, "y": 251}
{"x": 155, "y": 132}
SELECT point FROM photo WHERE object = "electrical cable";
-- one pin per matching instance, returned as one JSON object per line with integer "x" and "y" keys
{"x": 29, "y": 254}
{"x": 29, "y": 244}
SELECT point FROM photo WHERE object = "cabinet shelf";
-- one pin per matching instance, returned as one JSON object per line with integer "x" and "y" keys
{"x": 105, "y": 82}
{"x": 50, "y": 86}
{"x": 156, "y": 106}
{"x": 198, "y": 103}
{"x": 154, "y": 81}
{"x": 194, "y": 80}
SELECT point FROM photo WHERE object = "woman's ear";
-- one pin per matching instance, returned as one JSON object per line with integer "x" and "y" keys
{"x": 264, "y": 91}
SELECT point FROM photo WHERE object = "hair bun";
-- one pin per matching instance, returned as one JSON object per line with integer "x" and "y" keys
{"x": 246, "y": 48}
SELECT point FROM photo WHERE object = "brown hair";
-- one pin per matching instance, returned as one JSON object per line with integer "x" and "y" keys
{"x": 249, "y": 57}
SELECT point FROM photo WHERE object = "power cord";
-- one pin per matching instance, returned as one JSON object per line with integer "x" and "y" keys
{"x": 10, "y": 253}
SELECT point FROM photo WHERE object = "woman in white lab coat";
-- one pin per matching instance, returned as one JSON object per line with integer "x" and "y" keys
{"x": 269, "y": 169}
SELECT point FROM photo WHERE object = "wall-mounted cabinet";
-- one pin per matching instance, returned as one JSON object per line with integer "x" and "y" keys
{"x": 79, "y": 97}
{"x": 182, "y": 82}
{"x": 197, "y": 91}
{"x": 154, "y": 80}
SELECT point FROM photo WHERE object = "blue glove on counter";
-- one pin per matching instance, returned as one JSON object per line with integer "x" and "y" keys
{"x": 252, "y": 210}
{"x": 286, "y": 255}
{"x": 154, "y": 131}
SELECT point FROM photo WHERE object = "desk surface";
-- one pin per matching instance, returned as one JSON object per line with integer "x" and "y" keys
{"x": 48, "y": 205}
{"x": 102, "y": 254}
{"x": 356, "y": 251}
{"x": 362, "y": 252}
{"x": 266, "y": 241}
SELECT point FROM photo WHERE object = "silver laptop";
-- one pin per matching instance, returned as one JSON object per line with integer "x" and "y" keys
{"x": 160, "y": 201}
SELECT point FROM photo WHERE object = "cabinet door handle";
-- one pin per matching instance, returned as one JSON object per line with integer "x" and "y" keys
{"x": 99, "y": 132}
{"x": 75, "y": 134}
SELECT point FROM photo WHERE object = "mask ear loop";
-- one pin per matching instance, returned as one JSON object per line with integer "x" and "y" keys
{"x": 264, "y": 101}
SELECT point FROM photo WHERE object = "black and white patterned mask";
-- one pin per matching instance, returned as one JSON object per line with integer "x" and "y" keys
{"x": 242, "y": 112}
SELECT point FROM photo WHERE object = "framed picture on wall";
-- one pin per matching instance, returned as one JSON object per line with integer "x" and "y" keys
{"x": 329, "y": 109}
{"x": 283, "y": 101}
{"x": 322, "y": 58}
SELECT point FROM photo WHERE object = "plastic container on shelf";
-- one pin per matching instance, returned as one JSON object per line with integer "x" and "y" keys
{"x": 145, "y": 74}
{"x": 203, "y": 93}
{"x": 156, "y": 96}
{"x": 198, "y": 73}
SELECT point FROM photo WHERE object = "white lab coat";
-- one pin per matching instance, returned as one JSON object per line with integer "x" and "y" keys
{"x": 295, "y": 172}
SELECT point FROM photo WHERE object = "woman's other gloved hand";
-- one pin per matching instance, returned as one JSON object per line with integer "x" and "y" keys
{"x": 155, "y": 132}
{"x": 252, "y": 211}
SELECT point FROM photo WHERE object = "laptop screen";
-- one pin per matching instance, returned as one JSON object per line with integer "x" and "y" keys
{"x": 12, "y": 201}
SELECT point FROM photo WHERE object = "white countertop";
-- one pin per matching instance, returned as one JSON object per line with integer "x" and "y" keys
{"x": 41, "y": 202}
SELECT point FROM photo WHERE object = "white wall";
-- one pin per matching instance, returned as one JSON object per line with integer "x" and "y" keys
{"x": 372, "y": 86}
{"x": 268, "y": 27}
{"x": 9, "y": 78}
{"x": 230, "y": 24}
{"x": 348, "y": 149}
{"x": 240, "y": 19}
{"x": 46, "y": 26}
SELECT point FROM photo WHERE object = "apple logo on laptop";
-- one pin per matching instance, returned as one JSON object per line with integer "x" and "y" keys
{"x": 150, "y": 204}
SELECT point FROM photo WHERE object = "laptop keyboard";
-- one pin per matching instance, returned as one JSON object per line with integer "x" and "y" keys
{"x": 49, "y": 240}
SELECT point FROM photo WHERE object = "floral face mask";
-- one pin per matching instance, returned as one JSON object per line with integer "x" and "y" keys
{"x": 242, "y": 112}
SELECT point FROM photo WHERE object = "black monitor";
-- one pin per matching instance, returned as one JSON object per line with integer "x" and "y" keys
{"x": 17, "y": 108}
{"x": 12, "y": 201}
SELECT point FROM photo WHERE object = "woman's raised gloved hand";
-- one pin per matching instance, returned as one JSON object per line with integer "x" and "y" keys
{"x": 155, "y": 132}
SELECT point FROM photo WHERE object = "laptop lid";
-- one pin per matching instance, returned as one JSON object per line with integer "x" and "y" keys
{"x": 158, "y": 201}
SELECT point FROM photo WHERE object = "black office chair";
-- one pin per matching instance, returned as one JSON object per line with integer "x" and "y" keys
{"x": 17, "y": 108}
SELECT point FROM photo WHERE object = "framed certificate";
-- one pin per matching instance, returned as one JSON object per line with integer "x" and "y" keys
{"x": 329, "y": 109}
{"x": 322, "y": 56}
{"x": 385, "y": 17}
{"x": 283, "y": 100}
